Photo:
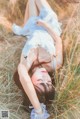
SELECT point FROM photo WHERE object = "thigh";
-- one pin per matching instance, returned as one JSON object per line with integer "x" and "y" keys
{"x": 42, "y": 3}
{"x": 33, "y": 11}
{"x": 45, "y": 10}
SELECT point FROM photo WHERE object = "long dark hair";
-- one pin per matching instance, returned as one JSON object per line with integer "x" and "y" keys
{"x": 49, "y": 92}
{"x": 43, "y": 96}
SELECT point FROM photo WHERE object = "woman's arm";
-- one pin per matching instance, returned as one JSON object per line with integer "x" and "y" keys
{"x": 58, "y": 43}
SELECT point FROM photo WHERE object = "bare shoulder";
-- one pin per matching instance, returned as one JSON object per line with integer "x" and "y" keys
{"x": 28, "y": 60}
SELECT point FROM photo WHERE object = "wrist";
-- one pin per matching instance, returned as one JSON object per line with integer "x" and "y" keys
{"x": 39, "y": 111}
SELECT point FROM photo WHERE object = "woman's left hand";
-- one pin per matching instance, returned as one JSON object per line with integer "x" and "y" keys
{"x": 41, "y": 23}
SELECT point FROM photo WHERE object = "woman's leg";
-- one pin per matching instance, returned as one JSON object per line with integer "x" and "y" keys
{"x": 44, "y": 3}
{"x": 28, "y": 87}
{"x": 31, "y": 10}
{"x": 26, "y": 16}
{"x": 41, "y": 3}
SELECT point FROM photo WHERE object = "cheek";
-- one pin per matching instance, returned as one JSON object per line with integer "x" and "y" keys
{"x": 34, "y": 81}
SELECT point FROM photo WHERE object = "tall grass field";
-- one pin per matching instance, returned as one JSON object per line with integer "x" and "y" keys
{"x": 66, "y": 104}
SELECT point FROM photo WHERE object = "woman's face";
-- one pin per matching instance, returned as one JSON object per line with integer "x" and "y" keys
{"x": 41, "y": 77}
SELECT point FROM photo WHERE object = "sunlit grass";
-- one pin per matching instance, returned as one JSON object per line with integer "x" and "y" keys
{"x": 66, "y": 104}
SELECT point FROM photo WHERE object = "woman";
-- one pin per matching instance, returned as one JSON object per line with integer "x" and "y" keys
{"x": 41, "y": 54}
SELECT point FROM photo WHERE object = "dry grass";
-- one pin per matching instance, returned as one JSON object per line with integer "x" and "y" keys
{"x": 67, "y": 100}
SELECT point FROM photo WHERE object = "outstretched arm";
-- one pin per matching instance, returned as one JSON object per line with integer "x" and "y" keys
{"x": 24, "y": 77}
{"x": 58, "y": 43}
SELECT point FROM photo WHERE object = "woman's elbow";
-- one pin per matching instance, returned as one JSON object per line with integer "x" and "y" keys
{"x": 59, "y": 64}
